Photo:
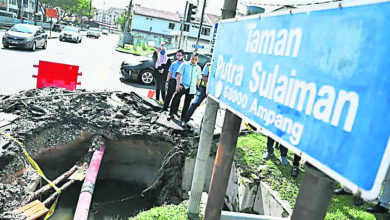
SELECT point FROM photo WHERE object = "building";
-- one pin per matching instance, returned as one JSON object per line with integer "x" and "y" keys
{"x": 154, "y": 26}
{"x": 108, "y": 16}
{"x": 12, "y": 6}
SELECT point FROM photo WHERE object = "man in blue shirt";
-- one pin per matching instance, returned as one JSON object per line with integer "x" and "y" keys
{"x": 187, "y": 78}
{"x": 171, "y": 79}
{"x": 200, "y": 95}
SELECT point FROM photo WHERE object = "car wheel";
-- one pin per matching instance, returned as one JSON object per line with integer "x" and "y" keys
{"x": 44, "y": 45}
{"x": 34, "y": 46}
{"x": 80, "y": 40}
{"x": 5, "y": 46}
{"x": 146, "y": 77}
{"x": 61, "y": 39}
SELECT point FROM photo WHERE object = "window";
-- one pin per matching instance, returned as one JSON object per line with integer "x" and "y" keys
{"x": 186, "y": 27}
{"x": 171, "y": 26}
{"x": 205, "y": 31}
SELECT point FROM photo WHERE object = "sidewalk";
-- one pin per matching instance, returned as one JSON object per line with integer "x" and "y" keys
{"x": 53, "y": 35}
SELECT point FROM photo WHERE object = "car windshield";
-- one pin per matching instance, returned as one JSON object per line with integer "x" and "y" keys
{"x": 71, "y": 29}
{"x": 23, "y": 28}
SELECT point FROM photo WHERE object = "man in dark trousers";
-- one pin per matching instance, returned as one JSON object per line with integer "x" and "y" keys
{"x": 200, "y": 95}
{"x": 187, "y": 77}
{"x": 171, "y": 79}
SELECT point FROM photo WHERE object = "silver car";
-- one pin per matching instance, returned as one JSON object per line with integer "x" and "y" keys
{"x": 94, "y": 32}
{"x": 71, "y": 34}
{"x": 25, "y": 36}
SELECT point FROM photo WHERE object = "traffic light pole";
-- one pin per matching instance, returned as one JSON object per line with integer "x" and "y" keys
{"x": 201, "y": 24}
{"x": 182, "y": 25}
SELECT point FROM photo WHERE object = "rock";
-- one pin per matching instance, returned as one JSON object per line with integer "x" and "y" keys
{"x": 119, "y": 115}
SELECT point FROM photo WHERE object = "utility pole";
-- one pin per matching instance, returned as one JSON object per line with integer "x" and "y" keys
{"x": 36, "y": 12}
{"x": 126, "y": 23}
{"x": 200, "y": 27}
{"x": 182, "y": 24}
{"x": 225, "y": 152}
{"x": 90, "y": 9}
{"x": 22, "y": 11}
{"x": 226, "y": 148}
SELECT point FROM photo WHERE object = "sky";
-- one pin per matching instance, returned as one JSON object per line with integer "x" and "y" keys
{"x": 213, "y": 6}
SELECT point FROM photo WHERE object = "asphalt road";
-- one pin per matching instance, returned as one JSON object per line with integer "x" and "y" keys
{"x": 98, "y": 62}
{"x": 97, "y": 59}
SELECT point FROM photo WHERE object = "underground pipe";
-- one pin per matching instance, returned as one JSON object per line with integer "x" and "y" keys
{"x": 86, "y": 193}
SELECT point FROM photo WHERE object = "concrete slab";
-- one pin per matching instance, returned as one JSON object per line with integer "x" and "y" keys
{"x": 164, "y": 120}
{"x": 189, "y": 167}
{"x": 6, "y": 119}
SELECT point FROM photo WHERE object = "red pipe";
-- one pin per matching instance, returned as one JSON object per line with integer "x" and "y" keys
{"x": 85, "y": 198}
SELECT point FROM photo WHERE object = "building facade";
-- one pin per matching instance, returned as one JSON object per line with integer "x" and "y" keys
{"x": 12, "y": 6}
{"x": 154, "y": 26}
{"x": 108, "y": 16}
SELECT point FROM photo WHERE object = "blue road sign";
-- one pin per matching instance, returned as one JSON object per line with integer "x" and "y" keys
{"x": 318, "y": 82}
{"x": 197, "y": 46}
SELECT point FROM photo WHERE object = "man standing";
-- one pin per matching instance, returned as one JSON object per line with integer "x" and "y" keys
{"x": 187, "y": 77}
{"x": 200, "y": 95}
{"x": 171, "y": 78}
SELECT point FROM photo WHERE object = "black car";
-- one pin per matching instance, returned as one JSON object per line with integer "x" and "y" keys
{"x": 141, "y": 69}
{"x": 57, "y": 28}
{"x": 25, "y": 36}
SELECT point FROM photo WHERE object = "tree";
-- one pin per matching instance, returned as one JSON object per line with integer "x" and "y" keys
{"x": 68, "y": 8}
{"x": 121, "y": 21}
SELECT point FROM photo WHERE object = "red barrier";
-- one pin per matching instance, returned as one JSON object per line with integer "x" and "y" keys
{"x": 57, "y": 74}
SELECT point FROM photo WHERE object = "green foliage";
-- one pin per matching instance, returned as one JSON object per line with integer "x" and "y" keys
{"x": 166, "y": 212}
{"x": 121, "y": 20}
{"x": 70, "y": 7}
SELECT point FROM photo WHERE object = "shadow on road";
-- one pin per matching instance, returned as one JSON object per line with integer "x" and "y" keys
{"x": 21, "y": 49}
{"x": 135, "y": 84}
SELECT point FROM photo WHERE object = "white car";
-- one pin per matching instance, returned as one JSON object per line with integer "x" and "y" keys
{"x": 94, "y": 32}
{"x": 71, "y": 34}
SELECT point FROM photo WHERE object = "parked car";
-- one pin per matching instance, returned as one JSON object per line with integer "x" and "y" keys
{"x": 71, "y": 34}
{"x": 57, "y": 28}
{"x": 141, "y": 68}
{"x": 25, "y": 36}
{"x": 105, "y": 32}
{"x": 94, "y": 32}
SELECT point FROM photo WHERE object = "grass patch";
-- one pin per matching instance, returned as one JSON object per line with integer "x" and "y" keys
{"x": 166, "y": 212}
{"x": 249, "y": 158}
{"x": 139, "y": 51}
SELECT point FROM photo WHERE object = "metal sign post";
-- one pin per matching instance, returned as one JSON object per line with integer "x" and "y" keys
{"x": 315, "y": 80}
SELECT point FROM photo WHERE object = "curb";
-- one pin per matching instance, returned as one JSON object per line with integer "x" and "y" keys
{"x": 121, "y": 51}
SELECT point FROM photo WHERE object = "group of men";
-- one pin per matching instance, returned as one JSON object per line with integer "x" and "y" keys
{"x": 185, "y": 78}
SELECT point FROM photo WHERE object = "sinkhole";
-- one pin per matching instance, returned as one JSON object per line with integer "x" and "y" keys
{"x": 129, "y": 166}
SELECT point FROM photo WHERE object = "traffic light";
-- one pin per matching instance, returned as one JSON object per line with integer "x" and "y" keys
{"x": 191, "y": 12}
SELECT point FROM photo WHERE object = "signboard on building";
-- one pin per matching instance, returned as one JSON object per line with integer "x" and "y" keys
{"x": 51, "y": 13}
{"x": 317, "y": 81}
